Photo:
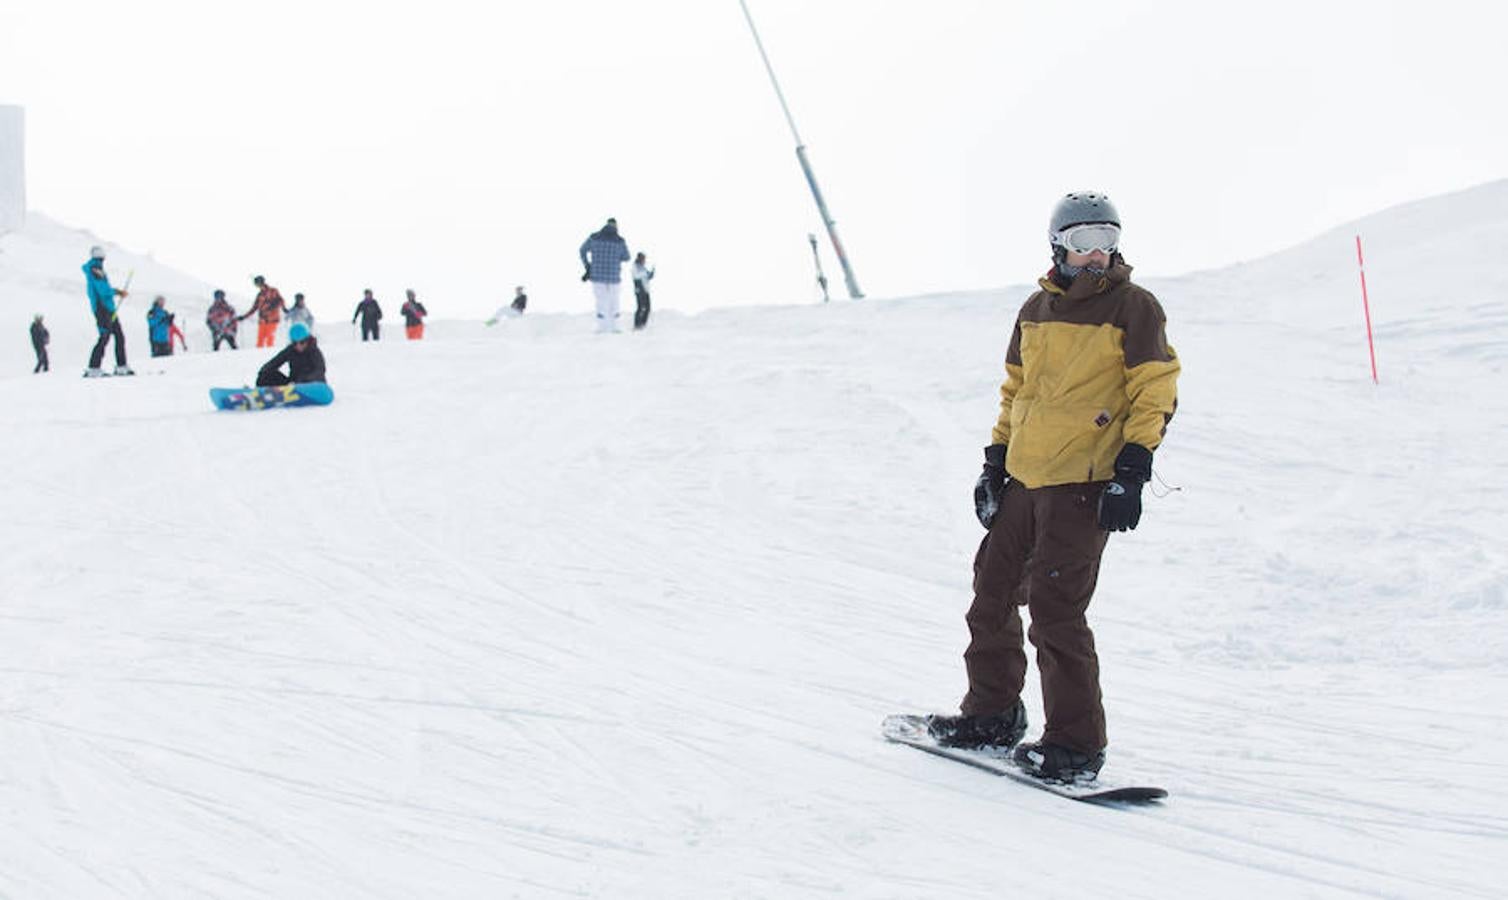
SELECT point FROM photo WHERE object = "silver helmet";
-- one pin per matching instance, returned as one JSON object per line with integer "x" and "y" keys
{"x": 1082, "y": 208}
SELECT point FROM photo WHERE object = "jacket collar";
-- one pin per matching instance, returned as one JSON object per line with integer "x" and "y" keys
{"x": 1086, "y": 284}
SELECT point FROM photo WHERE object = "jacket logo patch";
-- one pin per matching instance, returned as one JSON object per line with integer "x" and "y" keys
{"x": 1101, "y": 420}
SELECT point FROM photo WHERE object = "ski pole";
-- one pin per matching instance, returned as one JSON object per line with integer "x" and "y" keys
{"x": 124, "y": 290}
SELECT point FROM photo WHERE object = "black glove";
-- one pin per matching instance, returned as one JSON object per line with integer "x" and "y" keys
{"x": 1120, "y": 504}
{"x": 587, "y": 275}
{"x": 991, "y": 485}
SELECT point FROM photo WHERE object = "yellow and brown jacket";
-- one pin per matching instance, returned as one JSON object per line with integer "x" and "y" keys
{"x": 1089, "y": 370}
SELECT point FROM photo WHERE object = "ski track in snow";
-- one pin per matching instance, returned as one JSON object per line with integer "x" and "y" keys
{"x": 534, "y": 612}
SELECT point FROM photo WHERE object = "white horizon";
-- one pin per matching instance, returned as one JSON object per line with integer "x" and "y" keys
{"x": 461, "y": 152}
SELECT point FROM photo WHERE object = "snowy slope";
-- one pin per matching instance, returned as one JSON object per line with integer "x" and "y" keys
{"x": 532, "y": 612}
{"x": 41, "y": 272}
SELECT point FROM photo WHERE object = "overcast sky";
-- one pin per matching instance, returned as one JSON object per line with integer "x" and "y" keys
{"x": 462, "y": 148}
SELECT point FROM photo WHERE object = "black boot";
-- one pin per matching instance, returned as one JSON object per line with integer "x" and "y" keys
{"x": 1000, "y": 732}
{"x": 1054, "y": 762}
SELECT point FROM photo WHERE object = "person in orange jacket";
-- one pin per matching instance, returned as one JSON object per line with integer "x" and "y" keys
{"x": 269, "y": 307}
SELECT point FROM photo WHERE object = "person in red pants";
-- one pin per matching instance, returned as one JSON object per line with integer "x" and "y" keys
{"x": 413, "y": 317}
{"x": 269, "y": 307}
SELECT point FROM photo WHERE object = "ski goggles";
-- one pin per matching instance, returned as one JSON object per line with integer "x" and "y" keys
{"x": 1089, "y": 238}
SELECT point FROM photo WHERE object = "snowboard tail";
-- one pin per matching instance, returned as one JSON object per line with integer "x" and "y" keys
{"x": 312, "y": 393}
{"x": 912, "y": 731}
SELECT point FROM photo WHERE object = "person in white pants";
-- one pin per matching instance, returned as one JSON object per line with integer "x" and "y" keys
{"x": 607, "y": 294}
{"x": 603, "y": 255}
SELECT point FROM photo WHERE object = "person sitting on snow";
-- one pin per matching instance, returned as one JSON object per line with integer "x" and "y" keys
{"x": 511, "y": 310}
{"x": 302, "y": 356}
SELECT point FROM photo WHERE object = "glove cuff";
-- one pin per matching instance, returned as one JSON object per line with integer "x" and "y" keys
{"x": 1134, "y": 463}
{"x": 994, "y": 455}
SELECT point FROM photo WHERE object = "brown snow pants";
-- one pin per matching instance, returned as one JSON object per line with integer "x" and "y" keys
{"x": 1043, "y": 552}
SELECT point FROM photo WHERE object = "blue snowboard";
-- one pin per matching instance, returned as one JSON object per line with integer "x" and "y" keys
{"x": 313, "y": 393}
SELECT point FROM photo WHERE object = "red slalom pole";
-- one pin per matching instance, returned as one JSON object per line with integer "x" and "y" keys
{"x": 1366, "y": 308}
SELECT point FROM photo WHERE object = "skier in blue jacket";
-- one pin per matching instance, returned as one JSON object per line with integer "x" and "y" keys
{"x": 160, "y": 327}
{"x": 102, "y": 305}
{"x": 603, "y": 255}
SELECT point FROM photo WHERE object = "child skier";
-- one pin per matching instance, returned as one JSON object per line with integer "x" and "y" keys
{"x": 159, "y": 327}
{"x": 39, "y": 340}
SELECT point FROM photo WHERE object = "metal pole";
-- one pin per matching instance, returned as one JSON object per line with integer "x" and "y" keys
{"x": 806, "y": 166}
{"x": 817, "y": 258}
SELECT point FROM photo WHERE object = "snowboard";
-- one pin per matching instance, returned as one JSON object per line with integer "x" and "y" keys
{"x": 912, "y": 731}
{"x": 312, "y": 393}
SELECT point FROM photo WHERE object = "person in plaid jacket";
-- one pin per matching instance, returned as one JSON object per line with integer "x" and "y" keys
{"x": 603, "y": 255}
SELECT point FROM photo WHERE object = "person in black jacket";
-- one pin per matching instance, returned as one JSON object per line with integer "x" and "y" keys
{"x": 370, "y": 314}
{"x": 305, "y": 362}
{"x": 413, "y": 317}
{"x": 39, "y": 341}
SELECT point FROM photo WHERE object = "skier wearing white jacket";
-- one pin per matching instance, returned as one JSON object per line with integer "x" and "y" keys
{"x": 300, "y": 312}
{"x": 642, "y": 274}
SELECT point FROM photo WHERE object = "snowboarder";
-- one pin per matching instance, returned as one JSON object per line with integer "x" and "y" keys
{"x": 39, "y": 341}
{"x": 221, "y": 320}
{"x": 370, "y": 314}
{"x": 511, "y": 310}
{"x": 300, "y": 312}
{"x": 102, "y": 305}
{"x": 642, "y": 274}
{"x": 603, "y": 254}
{"x": 302, "y": 356}
{"x": 269, "y": 307}
{"x": 413, "y": 317}
{"x": 1090, "y": 387}
{"x": 159, "y": 327}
